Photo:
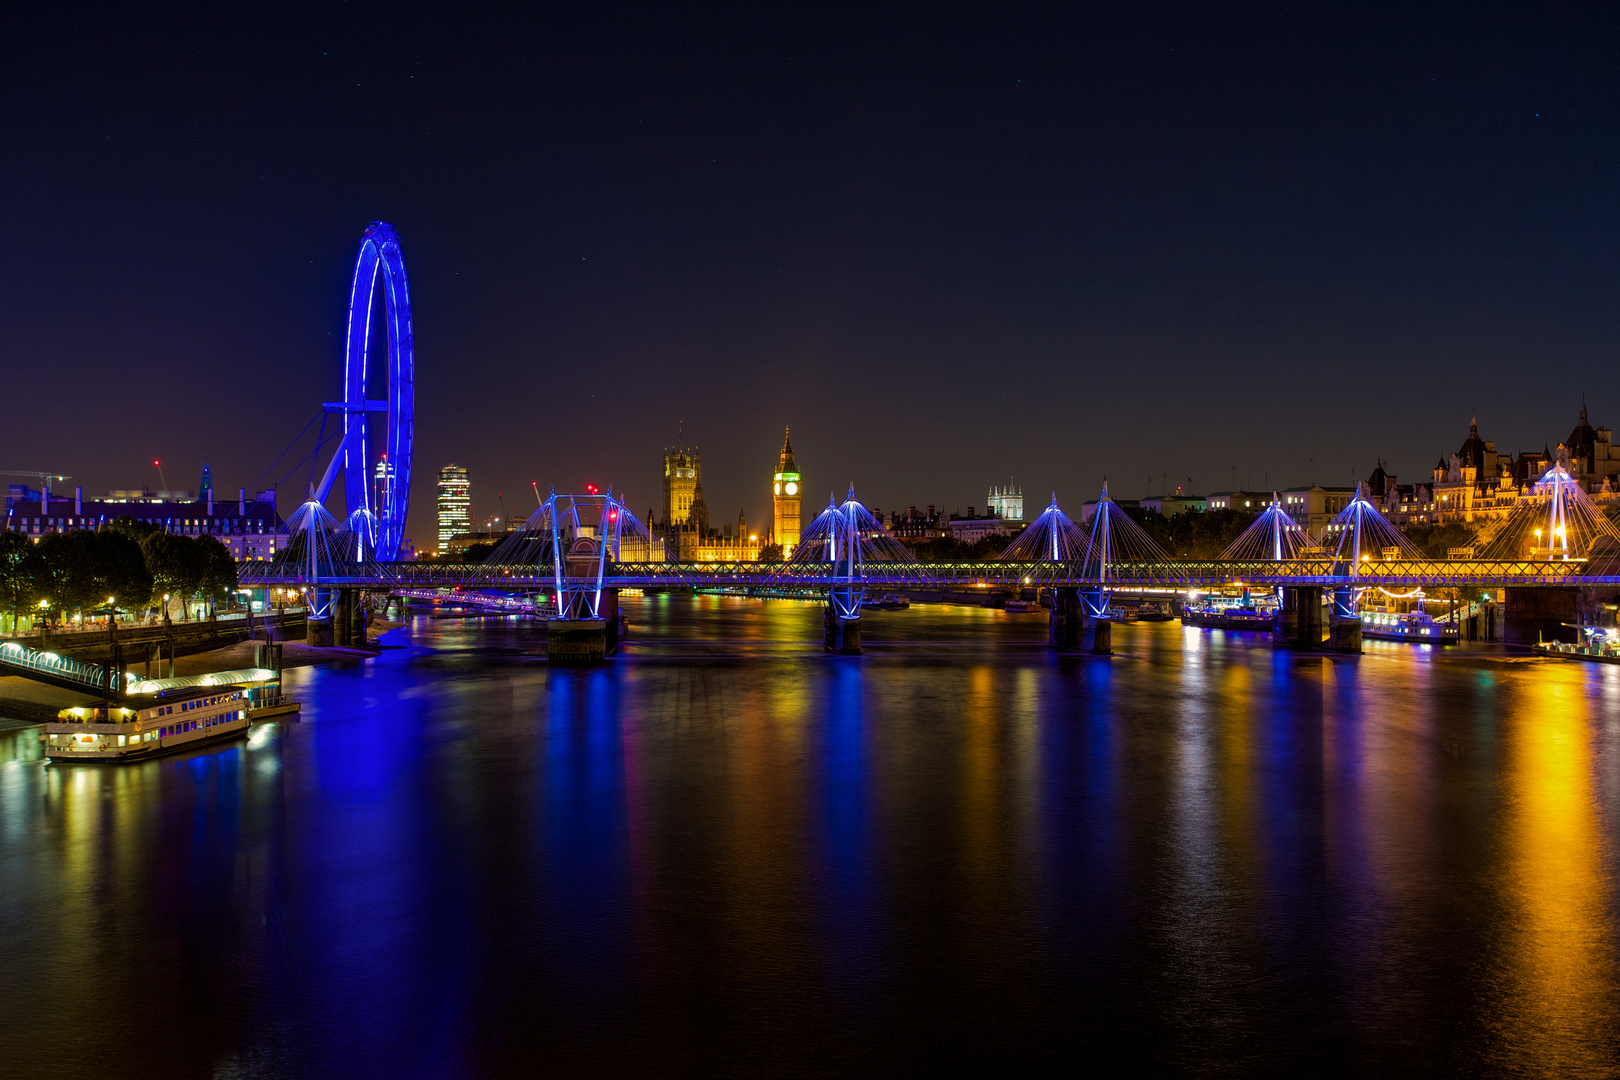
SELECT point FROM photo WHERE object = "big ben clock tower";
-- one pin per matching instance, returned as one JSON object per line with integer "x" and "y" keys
{"x": 785, "y": 492}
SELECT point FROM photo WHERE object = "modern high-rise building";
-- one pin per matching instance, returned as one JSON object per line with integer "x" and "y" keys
{"x": 382, "y": 483}
{"x": 785, "y": 494}
{"x": 455, "y": 504}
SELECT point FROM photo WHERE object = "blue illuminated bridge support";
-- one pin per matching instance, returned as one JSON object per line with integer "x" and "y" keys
{"x": 842, "y": 621}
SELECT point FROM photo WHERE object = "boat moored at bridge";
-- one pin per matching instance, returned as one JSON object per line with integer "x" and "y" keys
{"x": 1415, "y": 626}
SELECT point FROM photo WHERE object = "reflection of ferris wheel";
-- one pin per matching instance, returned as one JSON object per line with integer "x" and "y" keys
{"x": 375, "y": 455}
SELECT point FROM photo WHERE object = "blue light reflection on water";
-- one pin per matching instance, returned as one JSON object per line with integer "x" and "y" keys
{"x": 728, "y": 853}
{"x": 850, "y": 909}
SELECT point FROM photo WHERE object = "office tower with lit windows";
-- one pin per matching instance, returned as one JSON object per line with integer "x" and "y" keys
{"x": 382, "y": 486}
{"x": 455, "y": 504}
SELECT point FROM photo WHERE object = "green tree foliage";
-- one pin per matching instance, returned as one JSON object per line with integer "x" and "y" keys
{"x": 1435, "y": 540}
{"x": 130, "y": 563}
{"x": 475, "y": 554}
{"x": 218, "y": 569}
{"x": 80, "y": 571}
{"x": 20, "y": 584}
{"x": 950, "y": 549}
{"x": 177, "y": 565}
{"x": 119, "y": 570}
{"x": 770, "y": 553}
{"x": 62, "y": 582}
{"x": 1191, "y": 535}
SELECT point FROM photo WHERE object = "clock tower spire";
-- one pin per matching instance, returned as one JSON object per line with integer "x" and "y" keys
{"x": 785, "y": 494}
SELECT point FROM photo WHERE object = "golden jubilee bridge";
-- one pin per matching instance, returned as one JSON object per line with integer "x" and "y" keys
{"x": 577, "y": 551}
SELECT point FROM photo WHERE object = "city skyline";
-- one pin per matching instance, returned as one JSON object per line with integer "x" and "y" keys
{"x": 753, "y": 496}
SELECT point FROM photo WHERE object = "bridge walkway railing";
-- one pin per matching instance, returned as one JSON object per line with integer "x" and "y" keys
{"x": 1439, "y": 573}
{"x": 59, "y": 671}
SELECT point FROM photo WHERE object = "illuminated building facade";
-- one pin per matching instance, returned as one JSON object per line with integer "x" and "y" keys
{"x": 682, "y": 482}
{"x": 785, "y": 497}
{"x": 249, "y": 528}
{"x": 382, "y": 478}
{"x": 1312, "y": 506}
{"x": 685, "y": 528}
{"x": 455, "y": 504}
{"x": 1007, "y": 502}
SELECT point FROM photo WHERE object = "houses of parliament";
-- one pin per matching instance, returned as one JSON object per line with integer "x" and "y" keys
{"x": 685, "y": 527}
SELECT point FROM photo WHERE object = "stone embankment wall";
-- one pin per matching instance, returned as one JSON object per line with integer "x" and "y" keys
{"x": 138, "y": 642}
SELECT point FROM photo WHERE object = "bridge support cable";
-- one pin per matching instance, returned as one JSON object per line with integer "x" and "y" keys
{"x": 1050, "y": 545}
{"x": 577, "y": 541}
{"x": 1360, "y": 536}
{"x": 1555, "y": 522}
{"x": 1274, "y": 537}
{"x": 840, "y": 549}
{"x": 1117, "y": 550}
{"x": 321, "y": 554}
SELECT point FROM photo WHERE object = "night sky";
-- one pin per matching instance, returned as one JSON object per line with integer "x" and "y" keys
{"x": 949, "y": 245}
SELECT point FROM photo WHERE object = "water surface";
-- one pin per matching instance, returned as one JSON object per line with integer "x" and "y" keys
{"x": 729, "y": 854}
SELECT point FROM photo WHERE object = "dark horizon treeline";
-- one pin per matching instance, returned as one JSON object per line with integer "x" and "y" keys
{"x": 128, "y": 565}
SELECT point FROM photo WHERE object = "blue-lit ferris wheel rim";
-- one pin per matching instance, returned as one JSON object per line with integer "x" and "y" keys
{"x": 380, "y": 252}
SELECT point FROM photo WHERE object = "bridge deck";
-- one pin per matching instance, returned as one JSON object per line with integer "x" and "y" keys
{"x": 58, "y": 671}
{"x": 1406, "y": 573}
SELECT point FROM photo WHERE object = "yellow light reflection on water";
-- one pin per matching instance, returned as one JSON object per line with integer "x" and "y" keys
{"x": 1557, "y": 1015}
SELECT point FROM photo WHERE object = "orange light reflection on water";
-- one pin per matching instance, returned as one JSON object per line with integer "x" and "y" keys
{"x": 1556, "y": 1012}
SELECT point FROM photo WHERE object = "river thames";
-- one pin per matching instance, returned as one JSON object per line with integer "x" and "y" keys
{"x": 729, "y": 854}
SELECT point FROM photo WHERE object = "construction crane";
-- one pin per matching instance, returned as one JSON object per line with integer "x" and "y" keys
{"x": 44, "y": 478}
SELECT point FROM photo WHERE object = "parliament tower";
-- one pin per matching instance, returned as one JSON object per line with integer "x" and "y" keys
{"x": 785, "y": 492}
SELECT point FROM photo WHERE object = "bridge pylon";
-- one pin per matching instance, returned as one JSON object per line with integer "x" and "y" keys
{"x": 576, "y": 540}
{"x": 839, "y": 547}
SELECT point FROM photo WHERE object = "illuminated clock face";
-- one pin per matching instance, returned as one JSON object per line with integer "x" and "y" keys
{"x": 792, "y": 488}
{"x": 778, "y": 489}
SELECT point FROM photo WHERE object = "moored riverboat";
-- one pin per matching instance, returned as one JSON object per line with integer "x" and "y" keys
{"x": 1413, "y": 626}
{"x": 1230, "y": 618}
{"x": 163, "y": 723}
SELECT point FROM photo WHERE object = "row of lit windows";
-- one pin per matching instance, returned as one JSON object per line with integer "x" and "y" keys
{"x": 223, "y": 525}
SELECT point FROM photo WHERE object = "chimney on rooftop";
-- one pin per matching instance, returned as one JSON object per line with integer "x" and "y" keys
{"x": 241, "y": 502}
{"x": 78, "y": 501}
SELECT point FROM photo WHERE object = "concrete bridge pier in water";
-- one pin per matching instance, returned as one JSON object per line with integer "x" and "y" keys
{"x": 1300, "y": 622}
{"x": 583, "y": 642}
{"x": 841, "y": 621}
{"x": 1074, "y": 626}
{"x": 344, "y": 618}
{"x": 1531, "y": 616}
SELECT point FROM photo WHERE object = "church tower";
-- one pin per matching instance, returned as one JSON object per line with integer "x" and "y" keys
{"x": 785, "y": 492}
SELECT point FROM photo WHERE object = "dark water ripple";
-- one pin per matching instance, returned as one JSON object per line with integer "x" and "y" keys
{"x": 730, "y": 855}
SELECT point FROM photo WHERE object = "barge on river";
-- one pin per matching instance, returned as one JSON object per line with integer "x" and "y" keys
{"x": 1411, "y": 626}
{"x": 164, "y": 723}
